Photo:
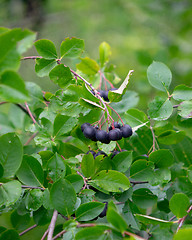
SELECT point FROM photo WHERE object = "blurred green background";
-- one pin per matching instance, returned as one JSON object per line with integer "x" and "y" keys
{"x": 138, "y": 32}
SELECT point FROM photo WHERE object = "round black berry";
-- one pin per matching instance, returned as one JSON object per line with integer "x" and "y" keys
{"x": 117, "y": 125}
{"x": 104, "y": 94}
{"x": 102, "y": 136}
{"x": 103, "y": 213}
{"x": 120, "y": 135}
{"x": 114, "y": 134}
{"x": 115, "y": 152}
{"x": 84, "y": 125}
{"x": 101, "y": 153}
{"x": 92, "y": 152}
{"x": 89, "y": 132}
{"x": 126, "y": 131}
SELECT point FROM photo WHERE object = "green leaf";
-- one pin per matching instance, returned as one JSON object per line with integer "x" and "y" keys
{"x": 44, "y": 66}
{"x": 129, "y": 211}
{"x": 1, "y": 171}
{"x": 160, "y": 108}
{"x": 182, "y": 93}
{"x": 76, "y": 180}
{"x": 116, "y": 219}
{"x": 178, "y": 204}
{"x": 71, "y": 47}
{"x": 63, "y": 197}
{"x": 42, "y": 216}
{"x": 20, "y": 222}
{"x": 34, "y": 199}
{"x": 155, "y": 221}
{"x": 89, "y": 211}
{"x": 61, "y": 75}
{"x": 11, "y": 152}
{"x": 129, "y": 100}
{"x": 144, "y": 198}
{"x": 171, "y": 137}
{"x": 46, "y": 49}
{"x": 141, "y": 170}
{"x": 35, "y": 94}
{"x": 111, "y": 181}
{"x": 122, "y": 161}
{"x": 11, "y": 63}
{"x": 162, "y": 158}
{"x": 161, "y": 175}
{"x": 27, "y": 41}
{"x": 88, "y": 165}
{"x": 10, "y": 192}
{"x": 9, "y": 235}
{"x": 12, "y": 87}
{"x": 104, "y": 53}
{"x": 116, "y": 95}
{"x": 90, "y": 104}
{"x": 88, "y": 66}
{"x": 68, "y": 150}
{"x": 159, "y": 76}
{"x": 56, "y": 167}
{"x": 92, "y": 233}
{"x": 183, "y": 234}
{"x": 63, "y": 124}
{"x": 185, "y": 109}
{"x": 31, "y": 172}
{"x": 135, "y": 117}
{"x": 107, "y": 148}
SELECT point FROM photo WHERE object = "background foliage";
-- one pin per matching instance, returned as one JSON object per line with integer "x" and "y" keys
{"x": 158, "y": 154}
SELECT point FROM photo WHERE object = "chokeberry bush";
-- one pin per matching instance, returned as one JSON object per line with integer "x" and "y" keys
{"x": 84, "y": 162}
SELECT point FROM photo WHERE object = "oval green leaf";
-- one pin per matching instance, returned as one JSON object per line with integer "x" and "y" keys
{"x": 111, "y": 181}
{"x": 162, "y": 158}
{"x": 11, "y": 152}
{"x": 182, "y": 93}
{"x": 71, "y": 47}
{"x": 178, "y": 204}
{"x": 31, "y": 172}
{"x": 61, "y": 75}
{"x": 159, "y": 76}
{"x": 89, "y": 211}
{"x": 46, "y": 49}
{"x": 63, "y": 197}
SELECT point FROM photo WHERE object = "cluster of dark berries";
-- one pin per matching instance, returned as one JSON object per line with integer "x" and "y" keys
{"x": 104, "y": 93}
{"x": 114, "y": 134}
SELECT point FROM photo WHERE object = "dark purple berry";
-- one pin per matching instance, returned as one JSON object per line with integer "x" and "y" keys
{"x": 117, "y": 125}
{"x": 115, "y": 152}
{"x": 101, "y": 153}
{"x": 102, "y": 136}
{"x": 103, "y": 213}
{"x": 114, "y": 134}
{"x": 92, "y": 152}
{"x": 126, "y": 131}
{"x": 104, "y": 94}
{"x": 89, "y": 132}
{"x": 84, "y": 125}
{"x": 119, "y": 133}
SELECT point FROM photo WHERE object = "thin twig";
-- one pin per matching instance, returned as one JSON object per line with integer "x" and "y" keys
{"x": 31, "y": 187}
{"x": 133, "y": 235}
{"x": 3, "y": 103}
{"x": 52, "y": 225}
{"x": 31, "y": 57}
{"x": 45, "y": 234}
{"x": 27, "y": 230}
{"x": 181, "y": 221}
{"x": 59, "y": 234}
{"x": 138, "y": 182}
{"x": 31, "y": 138}
{"x": 30, "y": 114}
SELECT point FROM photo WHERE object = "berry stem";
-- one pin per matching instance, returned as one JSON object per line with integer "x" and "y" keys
{"x": 116, "y": 113}
{"x": 119, "y": 146}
